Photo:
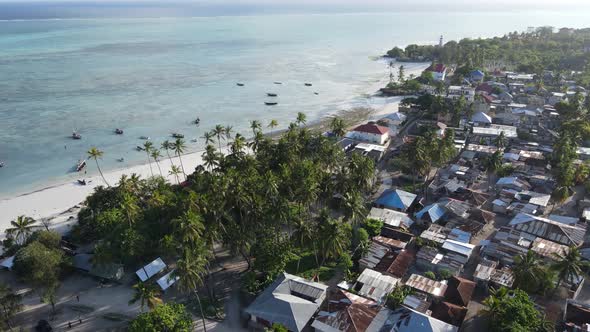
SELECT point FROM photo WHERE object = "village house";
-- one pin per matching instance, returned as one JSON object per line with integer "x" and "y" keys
{"x": 375, "y": 285}
{"x": 290, "y": 301}
{"x": 432, "y": 259}
{"x": 370, "y": 133}
{"x": 391, "y": 217}
{"x": 456, "y": 91}
{"x": 488, "y": 274}
{"x": 439, "y": 71}
{"x": 396, "y": 199}
{"x": 432, "y": 288}
{"x": 346, "y": 312}
{"x": 404, "y": 319}
{"x": 566, "y": 233}
{"x": 476, "y": 76}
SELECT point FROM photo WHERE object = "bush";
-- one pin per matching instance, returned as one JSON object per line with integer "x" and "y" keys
{"x": 444, "y": 274}
{"x": 165, "y": 317}
{"x": 430, "y": 274}
{"x": 373, "y": 226}
{"x": 396, "y": 298}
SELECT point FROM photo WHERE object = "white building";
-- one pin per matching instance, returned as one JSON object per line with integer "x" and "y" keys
{"x": 456, "y": 91}
{"x": 370, "y": 133}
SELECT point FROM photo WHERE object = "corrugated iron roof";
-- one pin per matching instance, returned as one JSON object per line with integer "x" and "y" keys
{"x": 426, "y": 285}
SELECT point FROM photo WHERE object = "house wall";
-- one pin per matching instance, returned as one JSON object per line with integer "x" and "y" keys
{"x": 368, "y": 137}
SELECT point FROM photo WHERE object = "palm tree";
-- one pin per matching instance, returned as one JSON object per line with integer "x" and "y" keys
{"x": 569, "y": 265}
{"x": 272, "y": 125}
{"x": 334, "y": 237}
{"x": 210, "y": 157}
{"x": 147, "y": 294}
{"x": 527, "y": 270}
{"x": 337, "y": 126}
{"x": 21, "y": 228}
{"x": 500, "y": 140}
{"x": 219, "y": 132}
{"x": 166, "y": 145}
{"x": 255, "y": 126}
{"x": 129, "y": 204}
{"x": 148, "y": 149}
{"x": 494, "y": 302}
{"x": 301, "y": 118}
{"x": 189, "y": 270}
{"x": 354, "y": 207}
{"x": 95, "y": 153}
{"x": 238, "y": 144}
{"x": 228, "y": 132}
{"x": 493, "y": 163}
{"x": 175, "y": 170}
{"x": 178, "y": 146}
{"x": 208, "y": 137}
{"x": 156, "y": 155}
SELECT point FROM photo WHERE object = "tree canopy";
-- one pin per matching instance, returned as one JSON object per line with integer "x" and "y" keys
{"x": 166, "y": 317}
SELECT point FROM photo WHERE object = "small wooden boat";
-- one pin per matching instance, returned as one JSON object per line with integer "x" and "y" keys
{"x": 139, "y": 148}
{"x": 121, "y": 160}
{"x": 278, "y": 83}
{"x": 75, "y": 135}
{"x": 81, "y": 165}
{"x": 316, "y": 93}
{"x": 119, "y": 131}
{"x": 308, "y": 84}
{"x": 177, "y": 135}
{"x": 271, "y": 94}
{"x": 82, "y": 182}
{"x": 197, "y": 121}
{"x": 240, "y": 84}
{"x": 1, "y": 164}
{"x": 194, "y": 140}
{"x": 270, "y": 103}
{"x": 144, "y": 137}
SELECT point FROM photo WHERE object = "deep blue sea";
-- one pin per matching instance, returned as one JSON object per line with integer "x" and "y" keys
{"x": 152, "y": 76}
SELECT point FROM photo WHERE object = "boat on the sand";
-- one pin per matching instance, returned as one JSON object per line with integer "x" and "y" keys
{"x": 81, "y": 165}
{"x": 119, "y": 131}
{"x": 270, "y": 94}
{"x": 177, "y": 135}
{"x": 270, "y": 103}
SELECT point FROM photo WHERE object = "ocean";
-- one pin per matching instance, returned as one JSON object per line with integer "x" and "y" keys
{"x": 153, "y": 76}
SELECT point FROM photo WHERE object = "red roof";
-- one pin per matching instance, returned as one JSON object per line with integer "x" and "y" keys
{"x": 459, "y": 291}
{"x": 448, "y": 313}
{"x": 485, "y": 88}
{"x": 372, "y": 129}
{"x": 439, "y": 68}
{"x": 487, "y": 98}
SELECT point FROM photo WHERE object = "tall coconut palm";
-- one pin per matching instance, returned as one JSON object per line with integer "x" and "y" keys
{"x": 219, "y": 131}
{"x": 493, "y": 163}
{"x": 569, "y": 265}
{"x": 354, "y": 207}
{"x": 147, "y": 295}
{"x": 189, "y": 271}
{"x": 228, "y": 132}
{"x": 167, "y": 146}
{"x": 210, "y": 157}
{"x": 95, "y": 153}
{"x": 21, "y": 229}
{"x": 494, "y": 302}
{"x": 272, "y": 125}
{"x": 337, "y": 126}
{"x": 178, "y": 146}
{"x": 208, "y": 137}
{"x": 255, "y": 126}
{"x": 175, "y": 171}
{"x": 527, "y": 271}
{"x": 301, "y": 118}
{"x": 148, "y": 149}
{"x": 334, "y": 237}
{"x": 157, "y": 155}
{"x": 500, "y": 140}
{"x": 238, "y": 144}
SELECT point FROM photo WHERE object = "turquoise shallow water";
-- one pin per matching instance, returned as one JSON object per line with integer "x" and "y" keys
{"x": 153, "y": 76}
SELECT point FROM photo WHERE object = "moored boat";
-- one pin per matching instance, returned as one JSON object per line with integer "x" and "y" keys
{"x": 119, "y": 131}
{"x": 270, "y": 103}
{"x": 121, "y": 160}
{"x": 240, "y": 84}
{"x": 270, "y": 94}
{"x": 308, "y": 84}
{"x": 278, "y": 83}
{"x": 76, "y": 135}
{"x": 144, "y": 137}
{"x": 81, "y": 165}
{"x": 139, "y": 148}
{"x": 177, "y": 135}
{"x": 1, "y": 164}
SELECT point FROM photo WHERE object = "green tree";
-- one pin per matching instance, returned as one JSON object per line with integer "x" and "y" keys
{"x": 401, "y": 76}
{"x": 569, "y": 265}
{"x": 397, "y": 296}
{"x": 167, "y": 146}
{"x": 272, "y": 125}
{"x": 276, "y": 328}
{"x": 338, "y": 127}
{"x": 146, "y": 294}
{"x": 301, "y": 118}
{"x": 10, "y": 305}
{"x": 166, "y": 317}
{"x": 175, "y": 171}
{"x": 147, "y": 146}
{"x": 528, "y": 271}
{"x": 21, "y": 229}
{"x": 500, "y": 140}
{"x": 430, "y": 274}
{"x": 157, "y": 155}
{"x": 179, "y": 146}
{"x": 95, "y": 153}
{"x": 255, "y": 126}
{"x": 373, "y": 226}
{"x": 189, "y": 271}
{"x": 512, "y": 310}
{"x": 40, "y": 266}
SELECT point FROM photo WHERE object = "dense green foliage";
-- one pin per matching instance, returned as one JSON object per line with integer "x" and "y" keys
{"x": 397, "y": 296}
{"x": 512, "y": 310}
{"x": 249, "y": 200}
{"x": 166, "y": 317}
{"x": 531, "y": 52}
{"x": 10, "y": 304}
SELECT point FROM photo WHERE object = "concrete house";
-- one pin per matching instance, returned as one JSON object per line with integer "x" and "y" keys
{"x": 370, "y": 133}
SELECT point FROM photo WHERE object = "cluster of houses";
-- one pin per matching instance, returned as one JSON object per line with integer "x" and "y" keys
{"x": 459, "y": 234}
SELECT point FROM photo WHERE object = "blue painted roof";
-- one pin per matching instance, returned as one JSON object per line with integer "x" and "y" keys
{"x": 477, "y": 73}
{"x": 397, "y": 199}
{"x": 435, "y": 212}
